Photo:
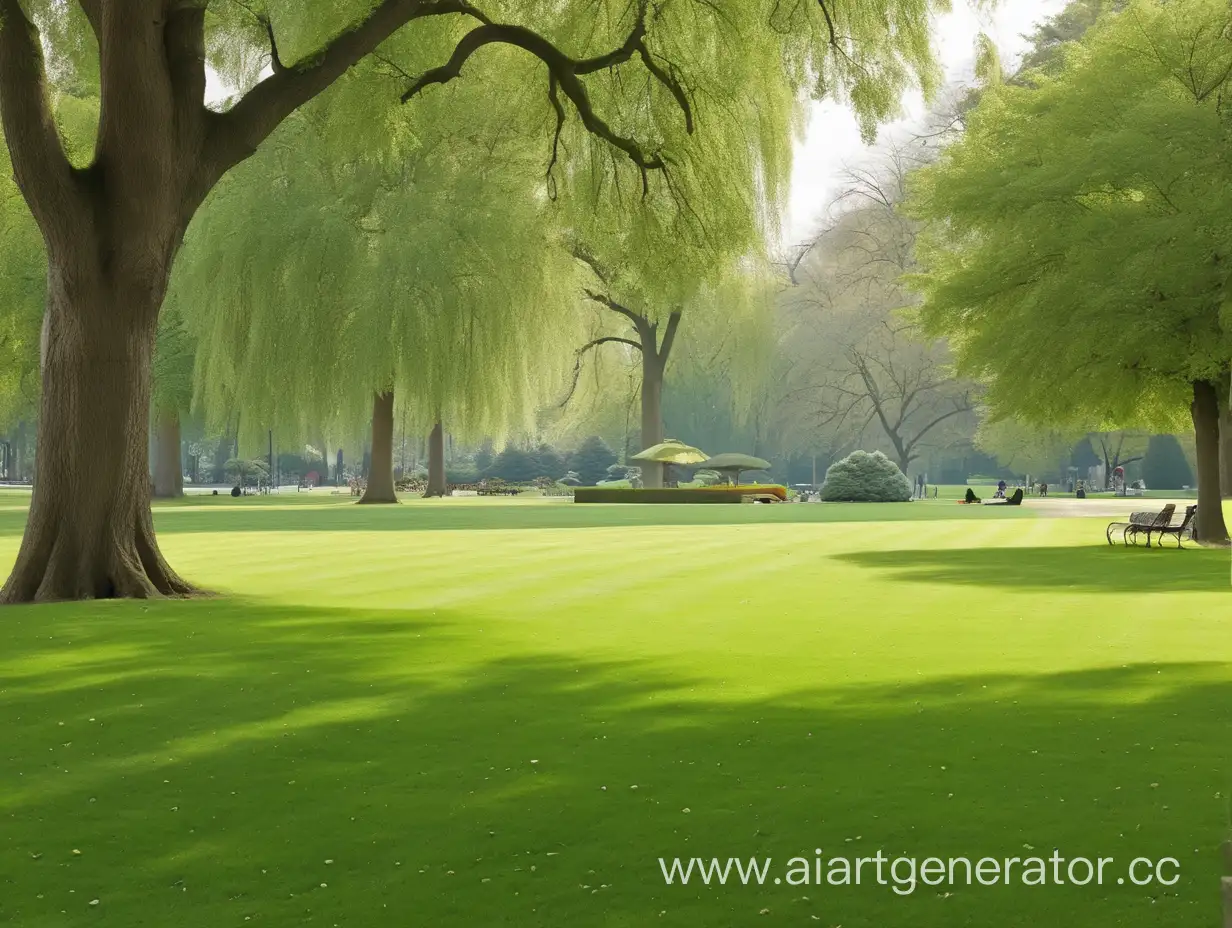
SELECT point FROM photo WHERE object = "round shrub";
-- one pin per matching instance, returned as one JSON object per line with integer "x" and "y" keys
{"x": 866, "y": 478}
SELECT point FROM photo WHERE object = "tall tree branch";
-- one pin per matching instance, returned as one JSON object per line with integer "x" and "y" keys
{"x": 581, "y": 353}
{"x": 639, "y": 321}
{"x": 957, "y": 411}
{"x": 596, "y": 266}
{"x": 40, "y": 166}
{"x": 566, "y": 73}
{"x": 235, "y": 135}
{"x": 609, "y": 339}
{"x": 276, "y": 64}
{"x": 559, "y": 109}
{"x": 669, "y": 336}
{"x": 184, "y": 36}
{"x": 93, "y": 11}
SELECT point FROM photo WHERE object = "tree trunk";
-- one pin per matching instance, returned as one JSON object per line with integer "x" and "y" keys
{"x": 380, "y": 487}
{"x": 1225, "y": 449}
{"x": 1211, "y": 528}
{"x": 437, "y": 484}
{"x": 904, "y": 458}
{"x": 89, "y": 534}
{"x": 652, "y": 415}
{"x": 168, "y": 469}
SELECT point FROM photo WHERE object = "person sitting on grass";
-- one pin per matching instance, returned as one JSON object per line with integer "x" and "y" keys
{"x": 1015, "y": 500}
{"x": 1000, "y": 494}
{"x": 971, "y": 497}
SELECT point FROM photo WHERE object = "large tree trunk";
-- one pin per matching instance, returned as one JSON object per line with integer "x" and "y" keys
{"x": 437, "y": 484}
{"x": 1225, "y": 448}
{"x": 168, "y": 469}
{"x": 380, "y": 487}
{"x": 1211, "y": 528}
{"x": 89, "y": 533}
{"x": 652, "y": 415}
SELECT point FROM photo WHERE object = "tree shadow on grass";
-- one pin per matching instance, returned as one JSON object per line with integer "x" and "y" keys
{"x": 1094, "y": 568}
{"x": 223, "y": 763}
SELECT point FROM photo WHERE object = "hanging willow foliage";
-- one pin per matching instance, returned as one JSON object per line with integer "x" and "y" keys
{"x": 322, "y": 271}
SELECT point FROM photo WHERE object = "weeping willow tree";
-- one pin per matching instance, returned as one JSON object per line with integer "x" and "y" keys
{"x": 732, "y": 314}
{"x": 325, "y": 278}
{"x": 622, "y": 89}
{"x": 705, "y": 228}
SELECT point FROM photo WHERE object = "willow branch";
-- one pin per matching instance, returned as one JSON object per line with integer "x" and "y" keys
{"x": 579, "y": 252}
{"x": 639, "y": 321}
{"x": 236, "y": 134}
{"x": 669, "y": 335}
{"x": 40, "y": 166}
{"x": 581, "y": 353}
{"x": 565, "y": 76}
{"x": 554, "y": 99}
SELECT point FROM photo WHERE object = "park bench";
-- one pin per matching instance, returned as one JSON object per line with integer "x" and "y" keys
{"x": 1178, "y": 531}
{"x": 1140, "y": 522}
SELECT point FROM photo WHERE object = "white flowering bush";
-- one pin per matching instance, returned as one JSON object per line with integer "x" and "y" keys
{"x": 862, "y": 477}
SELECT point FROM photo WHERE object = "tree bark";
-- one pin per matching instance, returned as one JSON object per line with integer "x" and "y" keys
{"x": 168, "y": 468}
{"x": 380, "y": 487}
{"x": 653, "y": 473}
{"x": 1211, "y": 528}
{"x": 654, "y": 364}
{"x": 1225, "y": 449}
{"x": 89, "y": 534}
{"x": 437, "y": 484}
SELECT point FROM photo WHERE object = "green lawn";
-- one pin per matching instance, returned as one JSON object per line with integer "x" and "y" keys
{"x": 502, "y": 713}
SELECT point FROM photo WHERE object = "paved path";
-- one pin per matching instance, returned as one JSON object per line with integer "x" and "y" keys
{"x": 1069, "y": 507}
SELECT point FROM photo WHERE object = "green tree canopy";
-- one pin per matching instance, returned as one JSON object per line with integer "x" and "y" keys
{"x": 1078, "y": 235}
{"x": 1076, "y": 250}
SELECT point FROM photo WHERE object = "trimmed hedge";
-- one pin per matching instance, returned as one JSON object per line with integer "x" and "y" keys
{"x": 866, "y": 478}
{"x": 676, "y": 495}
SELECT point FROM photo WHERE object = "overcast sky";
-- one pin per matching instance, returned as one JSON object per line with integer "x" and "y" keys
{"x": 833, "y": 139}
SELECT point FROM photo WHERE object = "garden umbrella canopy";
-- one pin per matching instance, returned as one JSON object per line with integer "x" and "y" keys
{"x": 735, "y": 461}
{"x": 671, "y": 452}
